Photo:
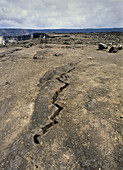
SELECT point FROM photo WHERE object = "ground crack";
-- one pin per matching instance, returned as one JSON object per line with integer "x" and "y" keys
{"x": 52, "y": 119}
{"x": 30, "y": 158}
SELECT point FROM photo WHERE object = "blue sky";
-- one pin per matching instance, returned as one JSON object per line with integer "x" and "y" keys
{"x": 41, "y": 14}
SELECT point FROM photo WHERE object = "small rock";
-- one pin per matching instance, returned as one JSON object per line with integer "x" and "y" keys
{"x": 25, "y": 117}
{"x": 67, "y": 43}
{"x": 48, "y": 46}
{"x": 28, "y": 46}
{"x": 91, "y": 104}
{"x": 35, "y": 57}
{"x": 56, "y": 55}
{"x": 2, "y": 55}
{"x": 109, "y": 44}
{"x": 102, "y": 46}
{"x": 42, "y": 46}
{"x": 7, "y": 83}
{"x": 113, "y": 49}
{"x": 121, "y": 116}
{"x": 120, "y": 47}
{"x": 90, "y": 58}
{"x": 31, "y": 44}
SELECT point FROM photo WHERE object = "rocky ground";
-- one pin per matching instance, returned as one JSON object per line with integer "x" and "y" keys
{"x": 61, "y": 104}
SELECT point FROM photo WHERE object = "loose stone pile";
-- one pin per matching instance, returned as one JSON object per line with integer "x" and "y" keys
{"x": 111, "y": 49}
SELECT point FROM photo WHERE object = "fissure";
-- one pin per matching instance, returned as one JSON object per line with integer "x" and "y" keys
{"x": 52, "y": 120}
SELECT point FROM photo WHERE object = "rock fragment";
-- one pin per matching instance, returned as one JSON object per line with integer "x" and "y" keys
{"x": 91, "y": 104}
{"x": 6, "y": 83}
{"x": 121, "y": 116}
{"x": 42, "y": 46}
{"x": 90, "y": 58}
{"x": 120, "y": 47}
{"x": 35, "y": 57}
{"x": 113, "y": 49}
{"x": 102, "y": 46}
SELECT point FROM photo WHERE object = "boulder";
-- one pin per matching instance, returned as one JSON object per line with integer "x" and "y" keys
{"x": 102, "y": 46}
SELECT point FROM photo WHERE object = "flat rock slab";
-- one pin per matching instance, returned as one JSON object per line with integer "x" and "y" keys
{"x": 61, "y": 111}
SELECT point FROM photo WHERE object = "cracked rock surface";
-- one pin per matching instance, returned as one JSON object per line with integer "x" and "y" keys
{"x": 62, "y": 109}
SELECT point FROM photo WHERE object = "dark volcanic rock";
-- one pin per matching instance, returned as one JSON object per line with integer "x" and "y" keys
{"x": 102, "y": 46}
{"x": 113, "y": 49}
{"x": 120, "y": 47}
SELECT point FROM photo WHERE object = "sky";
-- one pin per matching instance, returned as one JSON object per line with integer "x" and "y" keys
{"x": 56, "y": 14}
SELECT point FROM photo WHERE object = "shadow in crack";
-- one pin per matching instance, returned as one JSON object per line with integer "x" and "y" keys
{"x": 41, "y": 111}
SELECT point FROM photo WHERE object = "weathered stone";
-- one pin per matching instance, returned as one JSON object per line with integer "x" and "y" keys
{"x": 102, "y": 46}
{"x": 42, "y": 46}
{"x": 35, "y": 57}
{"x": 113, "y": 49}
{"x": 121, "y": 116}
{"x": 90, "y": 58}
{"x": 7, "y": 83}
{"x": 120, "y": 47}
{"x": 91, "y": 104}
{"x": 2, "y": 41}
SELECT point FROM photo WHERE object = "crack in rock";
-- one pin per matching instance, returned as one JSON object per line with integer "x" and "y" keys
{"x": 33, "y": 162}
{"x": 52, "y": 120}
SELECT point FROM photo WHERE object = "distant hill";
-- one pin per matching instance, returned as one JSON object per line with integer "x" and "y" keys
{"x": 15, "y": 32}
{"x": 20, "y": 32}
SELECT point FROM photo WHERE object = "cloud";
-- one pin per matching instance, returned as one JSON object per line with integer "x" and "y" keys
{"x": 61, "y": 14}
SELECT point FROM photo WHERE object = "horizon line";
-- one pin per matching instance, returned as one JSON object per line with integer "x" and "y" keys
{"x": 63, "y": 28}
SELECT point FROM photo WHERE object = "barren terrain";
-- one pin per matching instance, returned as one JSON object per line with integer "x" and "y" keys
{"x": 61, "y": 104}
